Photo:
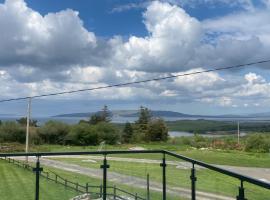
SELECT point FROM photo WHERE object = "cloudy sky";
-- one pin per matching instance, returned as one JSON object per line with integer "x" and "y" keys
{"x": 51, "y": 46}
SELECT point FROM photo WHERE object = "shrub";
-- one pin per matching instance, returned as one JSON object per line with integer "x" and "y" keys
{"x": 258, "y": 143}
{"x": 86, "y": 134}
{"x": 53, "y": 132}
{"x": 108, "y": 133}
{"x": 12, "y": 132}
{"x": 83, "y": 134}
{"x": 199, "y": 141}
{"x": 157, "y": 131}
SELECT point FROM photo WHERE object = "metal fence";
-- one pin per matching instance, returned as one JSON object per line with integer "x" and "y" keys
{"x": 105, "y": 190}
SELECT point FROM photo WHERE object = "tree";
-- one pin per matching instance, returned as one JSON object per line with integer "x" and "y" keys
{"x": 23, "y": 121}
{"x": 127, "y": 132}
{"x": 106, "y": 114}
{"x": 157, "y": 130}
{"x": 95, "y": 119}
{"x": 102, "y": 116}
{"x": 142, "y": 123}
{"x": 145, "y": 116}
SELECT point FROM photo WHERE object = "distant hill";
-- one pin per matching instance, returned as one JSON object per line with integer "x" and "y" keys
{"x": 83, "y": 115}
{"x": 127, "y": 113}
{"x": 161, "y": 113}
{"x": 135, "y": 113}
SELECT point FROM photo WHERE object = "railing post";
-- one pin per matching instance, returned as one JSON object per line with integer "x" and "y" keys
{"x": 163, "y": 165}
{"x": 136, "y": 196}
{"x": 241, "y": 195}
{"x": 86, "y": 188}
{"x": 105, "y": 166}
{"x": 77, "y": 187}
{"x": 100, "y": 191}
{"x": 56, "y": 178}
{"x": 193, "y": 182}
{"x": 148, "y": 187}
{"x": 114, "y": 192}
{"x": 37, "y": 170}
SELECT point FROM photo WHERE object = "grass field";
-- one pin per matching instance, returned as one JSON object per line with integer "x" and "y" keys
{"x": 17, "y": 184}
{"x": 21, "y": 180}
{"x": 222, "y": 157}
{"x": 208, "y": 181}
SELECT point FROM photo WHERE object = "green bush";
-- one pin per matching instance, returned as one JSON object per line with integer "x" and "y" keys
{"x": 53, "y": 132}
{"x": 199, "y": 141}
{"x": 82, "y": 134}
{"x": 12, "y": 132}
{"x": 86, "y": 134}
{"x": 258, "y": 143}
{"x": 157, "y": 131}
{"x": 108, "y": 133}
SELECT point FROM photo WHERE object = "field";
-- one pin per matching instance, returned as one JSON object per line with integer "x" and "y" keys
{"x": 135, "y": 173}
{"x": 17, "y": 184}
{"x": 177, "y": 176}
{"x": 213, "y": 156}
{"x": 208, "y": 181}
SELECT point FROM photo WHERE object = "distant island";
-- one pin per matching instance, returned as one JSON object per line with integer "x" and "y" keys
{"x": 161, "y": 113}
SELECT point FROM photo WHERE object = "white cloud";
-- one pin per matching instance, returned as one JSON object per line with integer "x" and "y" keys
{"x": 44, "y": 54}
{"x": 173, "y": 36}
{"x": 28, "y": 38}
{"x": 199, "y": 82}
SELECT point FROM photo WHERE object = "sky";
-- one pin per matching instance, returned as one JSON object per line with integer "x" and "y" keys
{"x": 52, "y": 46}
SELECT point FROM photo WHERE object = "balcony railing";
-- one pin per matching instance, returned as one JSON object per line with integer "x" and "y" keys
{"x": 105, "y": 191}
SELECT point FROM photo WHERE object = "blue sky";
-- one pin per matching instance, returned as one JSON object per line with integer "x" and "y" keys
{"x": 50, "y": 46}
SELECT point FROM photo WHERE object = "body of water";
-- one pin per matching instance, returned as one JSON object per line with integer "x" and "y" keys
{"x": 188, "y": 134}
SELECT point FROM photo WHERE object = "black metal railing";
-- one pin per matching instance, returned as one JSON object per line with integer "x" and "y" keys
{"x": 105, "y": 166}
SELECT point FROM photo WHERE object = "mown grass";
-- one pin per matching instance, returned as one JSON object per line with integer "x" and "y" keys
{"x": 212, "y": 156}
{"x": 208, "y": 181}
{"x": 17, "y": 183}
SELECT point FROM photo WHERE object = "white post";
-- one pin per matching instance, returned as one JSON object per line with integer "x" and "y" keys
{"x": 27, "y": 127}
{"x": 238, "y": 132}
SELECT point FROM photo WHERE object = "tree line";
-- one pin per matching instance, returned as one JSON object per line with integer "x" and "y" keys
{"x": 98, "y": 128}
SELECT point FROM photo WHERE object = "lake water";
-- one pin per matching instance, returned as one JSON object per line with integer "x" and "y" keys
{"x": 188, "y": 134}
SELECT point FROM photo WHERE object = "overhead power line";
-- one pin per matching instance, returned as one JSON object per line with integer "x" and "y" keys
{"x": 137, "y": 82}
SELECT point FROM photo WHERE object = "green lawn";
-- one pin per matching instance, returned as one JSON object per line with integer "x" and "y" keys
{"x": 208, "y": 181}
{"x": 21, "y": 180}
{"x": 222, "y": 157}
{"x": 17, "y": 183}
